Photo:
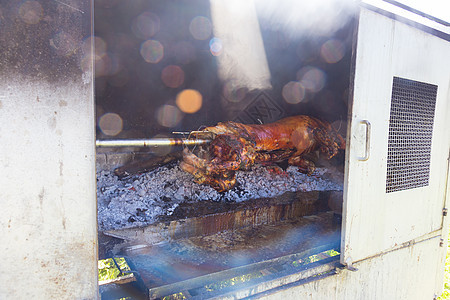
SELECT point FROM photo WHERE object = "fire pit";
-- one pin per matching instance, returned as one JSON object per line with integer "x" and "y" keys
{"x": 185, "y": 77}
{"x": 142, "y": 199}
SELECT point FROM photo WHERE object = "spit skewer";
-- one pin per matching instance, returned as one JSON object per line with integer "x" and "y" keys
{"x": 152, "y": 142}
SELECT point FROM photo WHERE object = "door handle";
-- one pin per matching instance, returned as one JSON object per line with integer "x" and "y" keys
{"x": 367, "y": 150}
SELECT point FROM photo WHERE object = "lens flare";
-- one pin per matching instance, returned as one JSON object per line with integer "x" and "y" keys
{"x": 200, "y": 28}
{"x": 332, "y": 51}
{"x": 168, "y": 115}
{"x": 102, "y": 65}
{"x": 313, "y": 79}
{"x": 31, "y": 12}
{"x": 215, "y": 46}
{"x": 100, "y": 45}
{"x": 64, "y": 43}
{"x": 86, "y": 63}
{"x": 152, "y": 51}
{"x": 172, "y": 76}
{"x": 145, "y": 25}
{"x": 293, "y": 92}
{"x": 189, "y": 101}
{"x": 110, "y": 124}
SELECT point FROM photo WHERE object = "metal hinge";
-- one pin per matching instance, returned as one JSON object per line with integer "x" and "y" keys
{"x": 349, "y": 265}
{"x": 445, "y": 211}
{"x": 441, "y": 243}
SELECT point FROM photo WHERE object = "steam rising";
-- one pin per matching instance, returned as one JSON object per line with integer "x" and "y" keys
{"x": 297, "y": 18}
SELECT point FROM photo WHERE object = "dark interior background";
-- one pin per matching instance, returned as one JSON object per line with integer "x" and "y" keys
{"x": 132, "y": 88}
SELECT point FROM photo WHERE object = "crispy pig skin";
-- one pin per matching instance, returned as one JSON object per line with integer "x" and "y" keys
{"x": 238, "y": 146}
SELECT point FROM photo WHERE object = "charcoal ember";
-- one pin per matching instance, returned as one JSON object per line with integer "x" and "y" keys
{"x": 140, "y": 212}
{"x": 149, "y": 195}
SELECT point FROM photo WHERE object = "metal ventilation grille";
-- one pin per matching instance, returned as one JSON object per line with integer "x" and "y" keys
{"x": 410, "y": 134}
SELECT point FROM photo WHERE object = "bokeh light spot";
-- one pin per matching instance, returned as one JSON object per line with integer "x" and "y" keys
{"x": 293, "y": 92}
{"x": 145, "y": 25}
{"x": 64, "y": 44}
{"x": 172, "y": 76}
{"x": 110, "y": 124}
{"x": 234, "y": 93}
{"x": 100, "y": 45}
{"x": 152, "y": 51}
{"x": 31, "y": 12}
{"x": 106, "y": 65}
{"x": 189, "y": 101}
{"x": 102, "y": 65}
{"x": 200, "y": 28}
{"x": 332, "y": 51}
{"x": 312, "y": 79}
{"x": 215, "y": 46}
{"x": 168, "y": 115}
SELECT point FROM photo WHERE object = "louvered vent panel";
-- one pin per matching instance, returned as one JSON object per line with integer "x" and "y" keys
{"x": 410, "y": 134}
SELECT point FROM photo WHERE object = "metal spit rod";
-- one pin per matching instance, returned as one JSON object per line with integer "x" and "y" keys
{"x": 153, "y": 142}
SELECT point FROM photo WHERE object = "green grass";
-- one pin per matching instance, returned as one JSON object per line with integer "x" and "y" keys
{"x": 109, "y": 270}
{"x": 446, "y": 293}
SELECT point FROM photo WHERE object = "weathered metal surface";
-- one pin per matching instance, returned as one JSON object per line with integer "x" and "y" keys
{"x": 47, "y": 153}
{"x": 374, "y": 220}
{"x": 444, "y": 235}
{"x": 381, "y": 277}
{"x": 319, "y": 269}
{"x": 429, "y": 18}
{"x": 205, "y": 218}
{"x": 44, "y": 40}
{"x": 271, "y": 277}
{"x": 195, "y": 262}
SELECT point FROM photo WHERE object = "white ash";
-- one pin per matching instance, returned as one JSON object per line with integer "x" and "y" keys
{"x": 140, "y": 200}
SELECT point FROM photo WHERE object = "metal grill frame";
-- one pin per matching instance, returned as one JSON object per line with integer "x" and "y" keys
{"x": 410, "y": 134}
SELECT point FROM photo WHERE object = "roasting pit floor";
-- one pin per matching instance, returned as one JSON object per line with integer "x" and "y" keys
{"x": 178, "y": 235}
{"x": 202, "y": 249}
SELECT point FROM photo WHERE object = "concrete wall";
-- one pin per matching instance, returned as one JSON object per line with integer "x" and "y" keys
{"x": 47, "y": 152}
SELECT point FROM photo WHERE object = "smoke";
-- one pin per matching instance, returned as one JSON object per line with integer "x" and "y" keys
{"x": 300, "y": 18}
{"x": 238, "y": 44}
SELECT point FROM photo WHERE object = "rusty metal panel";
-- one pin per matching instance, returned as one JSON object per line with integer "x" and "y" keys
{"x": 376, "y": 220}
{"x": 207, "y": 218}
{"x": 47, "y": 153}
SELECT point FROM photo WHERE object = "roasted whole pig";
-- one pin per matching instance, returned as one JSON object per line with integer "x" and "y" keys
{"x": 237, "y": 146}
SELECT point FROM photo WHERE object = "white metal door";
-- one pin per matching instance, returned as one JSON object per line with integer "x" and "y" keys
{"x": 393, "y": 195}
